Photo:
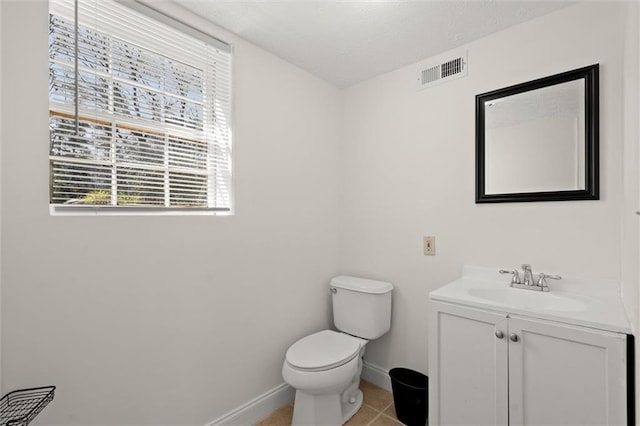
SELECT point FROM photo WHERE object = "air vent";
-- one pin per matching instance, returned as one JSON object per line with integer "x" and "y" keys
{"x": 442, "y": 71}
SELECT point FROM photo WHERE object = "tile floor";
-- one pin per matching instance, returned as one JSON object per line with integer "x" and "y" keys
{"x": 377, "y": 410}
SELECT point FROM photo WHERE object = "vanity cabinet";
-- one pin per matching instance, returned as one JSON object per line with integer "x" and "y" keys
{"x": 492, "y": 368}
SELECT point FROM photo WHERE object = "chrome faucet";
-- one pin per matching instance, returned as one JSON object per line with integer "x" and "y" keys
{"x": 528, "y": 275}
{"x": 528, "y": 281}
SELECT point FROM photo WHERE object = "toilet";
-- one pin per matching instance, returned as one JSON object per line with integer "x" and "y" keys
{"x": 324, "y": 368}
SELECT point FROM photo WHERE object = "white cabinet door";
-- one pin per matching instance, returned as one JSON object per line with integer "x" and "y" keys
{"x": 468, "y": 380}
{"x": 565, "y": 375}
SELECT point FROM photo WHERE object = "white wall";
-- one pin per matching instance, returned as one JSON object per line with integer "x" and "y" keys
{"x": 408, "y": 162}
{"x": 166, "y": 320}
{"x": 0, "y": 200}
{"x": 631, "y": 129}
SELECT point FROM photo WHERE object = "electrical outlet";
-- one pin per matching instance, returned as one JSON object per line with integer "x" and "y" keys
{"x": 430, "y": 246}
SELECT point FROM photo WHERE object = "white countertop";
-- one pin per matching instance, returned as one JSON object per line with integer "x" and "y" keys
{"x": 572, "y": 300}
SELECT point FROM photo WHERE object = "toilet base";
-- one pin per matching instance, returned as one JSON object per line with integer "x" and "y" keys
{"x": 349, "y": 410}
{"x": 326, "y": 398}
{"x": 324, "y": 410}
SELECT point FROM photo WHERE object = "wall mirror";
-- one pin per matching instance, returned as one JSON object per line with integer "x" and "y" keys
{"x": 538, "y": 141}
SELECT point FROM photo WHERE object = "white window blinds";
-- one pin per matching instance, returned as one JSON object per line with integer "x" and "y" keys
{"x": 139, "y": 112}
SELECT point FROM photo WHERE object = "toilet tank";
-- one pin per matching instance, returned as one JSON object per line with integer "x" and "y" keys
{"x": 361, "y": 307}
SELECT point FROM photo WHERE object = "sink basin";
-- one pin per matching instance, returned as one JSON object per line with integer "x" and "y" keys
{"x": 528, "y": 299}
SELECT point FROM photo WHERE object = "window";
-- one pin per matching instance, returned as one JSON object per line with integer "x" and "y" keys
{"x": 139, "y": 112}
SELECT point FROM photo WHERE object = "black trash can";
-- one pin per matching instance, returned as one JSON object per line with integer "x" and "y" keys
{"x": 410, "y": 390}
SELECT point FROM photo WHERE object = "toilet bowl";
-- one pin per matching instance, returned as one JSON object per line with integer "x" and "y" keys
{"x": 325, "y": 368}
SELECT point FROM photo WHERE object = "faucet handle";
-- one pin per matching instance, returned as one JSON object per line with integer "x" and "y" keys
{"x": 516, "y": 276}
{"x": 542, "y": 279}
{"x": 526, "y": 267}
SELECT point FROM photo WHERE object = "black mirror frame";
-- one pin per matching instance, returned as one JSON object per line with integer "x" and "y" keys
{"x": 592, "y": 179}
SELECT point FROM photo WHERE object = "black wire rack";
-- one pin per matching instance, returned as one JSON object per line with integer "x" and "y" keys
{"x": 20, "y": 407}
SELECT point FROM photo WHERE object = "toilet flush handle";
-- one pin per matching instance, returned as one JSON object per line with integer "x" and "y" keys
{"x": 334, "y": 290}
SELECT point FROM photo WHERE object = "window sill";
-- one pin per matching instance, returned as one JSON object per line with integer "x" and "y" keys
{"x": 58, "y": 210}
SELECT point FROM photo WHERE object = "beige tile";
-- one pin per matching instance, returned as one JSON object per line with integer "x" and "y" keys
{"x": 375, "y": 396}
{"x": 280, "y": 417}
{"x": 383, "y": 420}
{"x": 365, "y": 384}
{"x": 391, "y": 412}
{"x": 375, "y": 401}
{"x": 364, "y": 416}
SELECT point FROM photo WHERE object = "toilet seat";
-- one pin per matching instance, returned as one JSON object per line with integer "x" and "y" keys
{"x": 323, "y": 350}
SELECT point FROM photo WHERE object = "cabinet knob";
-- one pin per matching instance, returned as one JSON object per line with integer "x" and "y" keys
{"x": 513, "y": 337}
{"x": 499, "y": 334}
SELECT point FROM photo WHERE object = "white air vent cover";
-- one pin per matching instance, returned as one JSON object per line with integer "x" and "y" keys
{"x": 436, "y": 72}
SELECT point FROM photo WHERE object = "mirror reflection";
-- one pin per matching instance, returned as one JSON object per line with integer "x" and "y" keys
{"x": 535, "y": 140}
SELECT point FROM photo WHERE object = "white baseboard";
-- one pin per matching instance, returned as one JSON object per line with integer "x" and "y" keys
{"x": 258, "y": 408}
{"x": 376, "y": 375}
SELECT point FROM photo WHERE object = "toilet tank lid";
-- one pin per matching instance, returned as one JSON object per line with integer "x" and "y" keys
{"x": 362, "y": 285}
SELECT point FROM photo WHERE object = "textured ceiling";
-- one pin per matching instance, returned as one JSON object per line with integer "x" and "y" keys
{"x": 346, "y": 42}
